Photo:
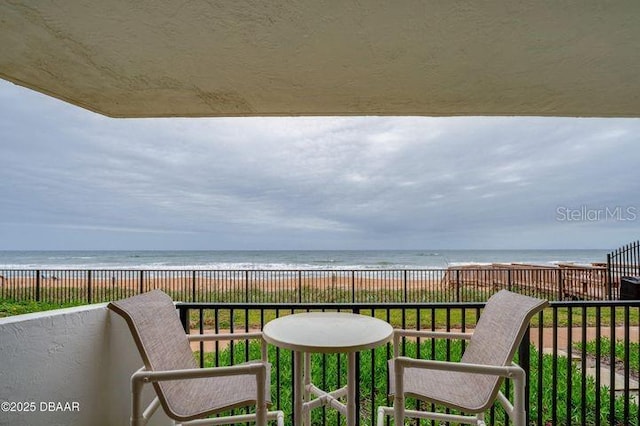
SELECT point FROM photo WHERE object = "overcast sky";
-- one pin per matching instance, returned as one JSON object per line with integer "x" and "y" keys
{"x": 72, "y": 179}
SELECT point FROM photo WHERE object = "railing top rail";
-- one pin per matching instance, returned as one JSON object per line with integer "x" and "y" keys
{"x": 452, "y": 268}
{"x": 393, "y": 305}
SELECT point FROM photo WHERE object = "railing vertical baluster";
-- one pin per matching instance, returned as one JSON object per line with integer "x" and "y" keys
{"x": 560, "y": 285}
{"x": 356, "y": 310}
{"x": 405, "y": 286}
{"x": 339, "y": 385}
{"x": 89, "y": 288}
{"x": 612, "y": 370}
{"x": 216, "y": 327}
{"x": 609, "y": 276}
{"x": 635, "y": 268}
{"x": 55, "y": 279}
{"x": 201, "y": 330}
{"x": 583, "y": 367}
{"x": 569, "y": 394}
{"x": 554, "y": 369}
{"x": 353, "y": 286}
{"x": 373, "y": 382}
{"x": 404, "y": 325}
{"x": 193, "y": 286}
{"x": 637, "y": 260}
{"x": 539, "y": 404}
{"x": 246, "y": 286}
{"x": 231, "y": 330}
{"x": 448, "y": 347}
{"x": 246, "y": 330}
{"x": 37, "y": 285}
{"x": 418, "y": 342}
{"x": 184, "y": 319}
{"x": 626, "y": 364}
{"x": 598, "y": 362}
{"x": 388, "y": 319}
{"x": 524, "y": 360}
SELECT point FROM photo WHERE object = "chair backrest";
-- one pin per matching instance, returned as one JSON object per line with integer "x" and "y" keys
{"x": 160, "y": 338}
{"x": 498, "y": 334}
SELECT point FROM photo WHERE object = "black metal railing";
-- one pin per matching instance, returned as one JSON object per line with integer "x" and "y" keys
{"x": 622, "y": 262}
{"x": 306, "y": 286}
{"x": 581, "y": 358}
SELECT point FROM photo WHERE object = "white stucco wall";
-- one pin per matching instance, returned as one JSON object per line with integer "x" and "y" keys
{"x": 81, "y": 355}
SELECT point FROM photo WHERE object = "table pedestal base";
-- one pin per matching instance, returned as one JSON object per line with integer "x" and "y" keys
{"x": 303, "y": 389}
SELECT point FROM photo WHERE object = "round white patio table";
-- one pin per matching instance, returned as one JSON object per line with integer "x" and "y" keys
{"x": 325, "y": 332}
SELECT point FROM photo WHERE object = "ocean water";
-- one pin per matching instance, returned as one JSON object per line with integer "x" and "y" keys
{"x": 291, "y": 259}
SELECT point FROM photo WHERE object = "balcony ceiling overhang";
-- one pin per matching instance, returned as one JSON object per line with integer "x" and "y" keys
{"x": 283, "y": 58}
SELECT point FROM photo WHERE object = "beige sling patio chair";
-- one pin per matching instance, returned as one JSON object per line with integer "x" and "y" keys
{"x": 472, "y": 385}
{"x": 185, "y": 391}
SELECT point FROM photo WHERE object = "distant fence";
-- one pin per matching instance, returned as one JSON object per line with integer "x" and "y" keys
{"x": 623, "y": 262}
{"x": 307, "y": 286}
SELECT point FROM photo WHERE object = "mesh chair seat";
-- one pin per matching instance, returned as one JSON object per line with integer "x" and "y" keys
{"x": 197, "y": 398}
{"x": 461, "y": 391}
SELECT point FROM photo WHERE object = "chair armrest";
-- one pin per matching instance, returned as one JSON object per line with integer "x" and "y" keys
{"x": 398, "y": 333}
{"x": 512, "y": 371}
{"x": 145, "y": 376}
{"x": 224, "y": 336}
{"x": 142, "y": 376}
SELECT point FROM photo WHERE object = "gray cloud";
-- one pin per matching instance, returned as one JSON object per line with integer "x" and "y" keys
{"x": 73, "y": 179}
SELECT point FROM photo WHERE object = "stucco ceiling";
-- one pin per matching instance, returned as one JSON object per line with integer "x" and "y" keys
{"x": 261, "y": 58}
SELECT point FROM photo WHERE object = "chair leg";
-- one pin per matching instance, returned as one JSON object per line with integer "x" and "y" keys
{"x": 398, "y": 398}
{"x": 261, "y": 416}
{"x": 480, "y": 419}
{"x": 380, "y": 420}
{"x": 398, "y": 410}
{"x": 519, "y": 410}
{"x": 261, "y": 402}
